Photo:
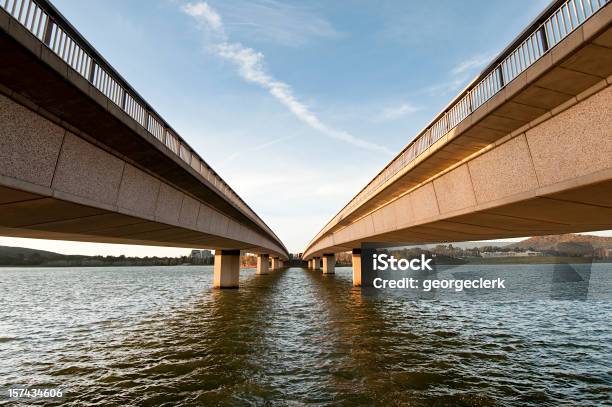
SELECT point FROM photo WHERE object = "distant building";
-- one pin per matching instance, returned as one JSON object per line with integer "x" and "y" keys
{"x": 201, "y": 254}
{"x": 527, "y": 253}
{"x": 603, "y": 253}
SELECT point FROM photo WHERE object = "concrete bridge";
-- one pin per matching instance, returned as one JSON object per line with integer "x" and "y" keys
{"x": 525, "y": 149}
{"x": 84, "y": 157}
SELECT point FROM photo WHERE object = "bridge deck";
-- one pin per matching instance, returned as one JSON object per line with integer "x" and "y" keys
{"x": 579, "y": 65}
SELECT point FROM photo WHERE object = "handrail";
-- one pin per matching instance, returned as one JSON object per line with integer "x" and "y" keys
{"x": 555, "y": 23}
{"x": 47, "y": 24}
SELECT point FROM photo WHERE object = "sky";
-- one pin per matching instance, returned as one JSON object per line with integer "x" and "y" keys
{"x": 297, "y": 105}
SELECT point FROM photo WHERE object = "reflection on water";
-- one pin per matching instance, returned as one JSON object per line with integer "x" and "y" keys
{"x": 162, "y": 336}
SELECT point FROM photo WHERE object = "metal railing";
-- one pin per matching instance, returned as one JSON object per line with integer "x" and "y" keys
{"x": 559, "y": 22}
{"x": 53, "y": 30}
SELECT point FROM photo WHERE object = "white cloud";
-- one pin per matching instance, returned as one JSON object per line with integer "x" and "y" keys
{"x": 251, "y": 67}
{"x": 205, "y": 15}
{"x": 396, "y": 112}
{"x": 258, "y": 147}
{"x": 472, "y": 64}
{"x": 276, "y": 22}
{"x": 460, "y": 75}
{"x": 92, "y": 249}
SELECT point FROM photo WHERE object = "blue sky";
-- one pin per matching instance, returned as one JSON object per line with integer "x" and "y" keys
{"x": 296, "y": 104}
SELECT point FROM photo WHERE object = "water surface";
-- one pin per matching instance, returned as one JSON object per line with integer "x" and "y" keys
{"x": 162, "y": 336}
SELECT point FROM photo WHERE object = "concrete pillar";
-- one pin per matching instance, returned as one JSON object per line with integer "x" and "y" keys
{"x": 315, "y": 263}
{"x": 226, "y": 269}
{"x": 275, "y": 263}
{"x": 310, "y": 264}
{"x": 329, "y": 263}
{"x": 356, "y": 267}
{"x": 262, "y": 264}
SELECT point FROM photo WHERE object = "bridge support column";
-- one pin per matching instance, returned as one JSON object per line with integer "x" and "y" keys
{"x": 263, "y": 264}
{"x": 356, "y": 260}
{"x": 329, "y": 263}
{"x": 310, "y": 264}
{"x": 275, "y": 263}
{"x": 226, "y": 269}
{"x": 315, "y": 263}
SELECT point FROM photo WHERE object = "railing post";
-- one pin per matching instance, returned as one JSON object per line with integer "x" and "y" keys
{"x": 47, "y": 31}
{"x": 145, "y": 118}
{"x": 500, "y": 74}
{"x": 544, "y": 38}
{"x": 124, "y": 98}
{"x": 92, "y": 71}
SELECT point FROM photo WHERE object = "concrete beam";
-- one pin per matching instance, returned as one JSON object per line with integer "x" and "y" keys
{"x": 553, "y": 177}
{"x": 68, "y": 130}
{"x": 580, "y": 62}
{"x": 75, "y": 189}
{"x": 329, "y": 263}
{"x": 226, "y": 269}
{"x": 356, "y": 267}
{"x": 263, "y": 264}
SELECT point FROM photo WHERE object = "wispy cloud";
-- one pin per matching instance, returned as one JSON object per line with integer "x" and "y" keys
{"x": 250, "y": 65}
{"x": 395, "y": 112}
{"x": 475, "y": 63}
{"x": 205, "y": 14}
{"x": 276, "y": 22}
{"x": 460, "y": 75}
{"x": 257, "y": 147}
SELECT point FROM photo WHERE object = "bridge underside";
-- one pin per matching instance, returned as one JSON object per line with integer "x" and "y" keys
{"x": 535, "y": 159}
{"x": 56, "y": 185}
{"x": 23, "y": 214}
{"x": 571, "y": 211}
{"x": 75, "y": 166}
{"x": 554, "y": 177}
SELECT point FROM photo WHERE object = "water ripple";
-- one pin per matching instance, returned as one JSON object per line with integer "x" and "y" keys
{"x": 162, "y": 336}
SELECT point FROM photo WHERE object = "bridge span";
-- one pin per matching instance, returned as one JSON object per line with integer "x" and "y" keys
{"x": 524, "y": 150}
{"x": 84, "y": 157}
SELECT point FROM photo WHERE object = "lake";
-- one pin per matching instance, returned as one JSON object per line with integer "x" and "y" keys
{"x": 162, "y": 336}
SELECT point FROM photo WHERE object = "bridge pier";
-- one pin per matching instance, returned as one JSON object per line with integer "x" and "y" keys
{"x": 263, "y": 266}
{"x": 329, "y": 263}
{"x": 315, "y": 263}
{"x": 356, "y": 260}
{"x": 226, "y": 269}
{"x": 275, "y": 263}
{"x": 311, "y": 264}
